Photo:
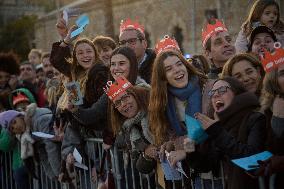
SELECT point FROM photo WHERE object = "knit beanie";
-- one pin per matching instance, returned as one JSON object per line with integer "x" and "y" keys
{"x": 7, "y": 116}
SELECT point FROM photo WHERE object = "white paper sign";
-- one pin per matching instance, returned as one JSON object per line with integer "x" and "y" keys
{"x": 78, "y": 159}
{"x": 77, "y": 156}
{"x": 43, "y": 135}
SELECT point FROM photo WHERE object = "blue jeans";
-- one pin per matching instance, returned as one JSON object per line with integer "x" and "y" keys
{"x": 21, "y": 177}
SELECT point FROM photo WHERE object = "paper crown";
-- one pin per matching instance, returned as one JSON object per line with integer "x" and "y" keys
{"x": 129, "y": 24}
{"x": 166, "y": 43}
{"x": 272, "y": 61}
{"x": 19, "y": 97}
{"x": 211, "y": 29}
{"x": 115, "y": 89}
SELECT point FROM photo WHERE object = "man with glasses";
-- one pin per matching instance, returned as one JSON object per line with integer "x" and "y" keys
{"x": 132, "y": 35}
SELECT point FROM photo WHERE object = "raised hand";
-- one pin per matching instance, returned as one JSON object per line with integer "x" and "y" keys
{"x": 206, "y": 122}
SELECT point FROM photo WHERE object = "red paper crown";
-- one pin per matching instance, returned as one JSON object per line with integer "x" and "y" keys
{"x": 115, "y": 89}
{"x": 20, "y": 98}
{"x": 166, "y": 43}
{"x": 129, "y": 24}
{"x": 272, "y": 61}
{"x": 212, "y": 29}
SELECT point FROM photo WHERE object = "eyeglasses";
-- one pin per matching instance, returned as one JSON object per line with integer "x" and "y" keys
{"x": 124, "y": 98}
{"x": 221, "y": 90}
{"x": 131, "y": 41}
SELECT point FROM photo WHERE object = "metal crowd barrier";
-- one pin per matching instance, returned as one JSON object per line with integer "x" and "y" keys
{"x": 125, "y": 176}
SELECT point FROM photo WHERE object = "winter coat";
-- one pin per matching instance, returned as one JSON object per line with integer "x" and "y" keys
{"x": 240, "y": 132}
{"x": 8, "y": 143}
{"x": 134, "y": 134}
{"x": 39, "y": 120}
{"x": 275, "y": 145}
{"x": 145, "y": 68}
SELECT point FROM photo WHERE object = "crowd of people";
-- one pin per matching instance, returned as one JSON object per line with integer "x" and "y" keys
{"x": 154, "y": 105}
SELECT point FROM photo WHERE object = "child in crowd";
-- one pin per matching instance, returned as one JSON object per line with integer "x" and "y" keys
{"x": 34, "y": 120}
{"x": 35, "y": 56}
{"x": 105, "y": 46}
{"x": 263, "y": 12}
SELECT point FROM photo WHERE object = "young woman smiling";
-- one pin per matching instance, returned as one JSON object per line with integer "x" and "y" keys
{"x": 247, "y": 69}
{"x": 175, "y": 93}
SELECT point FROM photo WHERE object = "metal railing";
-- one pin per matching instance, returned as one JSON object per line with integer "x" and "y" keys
{"x": 125, "y": 175}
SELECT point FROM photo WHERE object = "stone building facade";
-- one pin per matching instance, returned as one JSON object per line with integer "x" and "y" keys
{"x": 182, "y": 18}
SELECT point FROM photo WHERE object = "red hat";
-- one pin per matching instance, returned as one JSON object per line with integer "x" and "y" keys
{"x": 129, "y": 24}
{"x": 211, "y": 29}
{"x": 166, "y": 43}
{"x": 272, "y": 61}
{"x": 20, "y": 98}
{"x": 113, "y": 90}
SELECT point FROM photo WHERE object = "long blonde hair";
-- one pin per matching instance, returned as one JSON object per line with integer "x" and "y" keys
{"x": 158, "y": 121}
{"x": 270, "y": 89}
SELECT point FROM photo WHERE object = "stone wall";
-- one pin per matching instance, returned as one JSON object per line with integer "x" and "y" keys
{"x": 158, "y": 16}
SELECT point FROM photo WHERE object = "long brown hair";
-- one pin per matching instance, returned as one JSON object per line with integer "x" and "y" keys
{"x": 270, "y": 89}
{"x": 141, "y": 95}
{"x": 158, "y": 97}
{"x": 255, "y": 14}
{"x": 76, "y": 69}
{"x": 228, "y": 67}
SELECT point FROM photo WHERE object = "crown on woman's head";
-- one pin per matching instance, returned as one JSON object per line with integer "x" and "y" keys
{"x": 166, "y": 43}
{"x": 115, "y": 89}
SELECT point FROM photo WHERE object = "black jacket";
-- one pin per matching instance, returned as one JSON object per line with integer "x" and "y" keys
{"x": 241, "y": 132}
{"x": 145, "y": 70}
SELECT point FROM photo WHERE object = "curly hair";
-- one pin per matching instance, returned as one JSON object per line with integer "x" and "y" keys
{"x": 9, "y": 62}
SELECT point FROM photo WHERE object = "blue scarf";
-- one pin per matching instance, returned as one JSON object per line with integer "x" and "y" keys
{"x": 192, "y": 94}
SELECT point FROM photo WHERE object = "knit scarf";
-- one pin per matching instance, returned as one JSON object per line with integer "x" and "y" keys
{"x": 191, "y": 94}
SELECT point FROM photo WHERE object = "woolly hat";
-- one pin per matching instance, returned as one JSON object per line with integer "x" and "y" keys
{"x": 7, "y": 116}
{"x": 21, "y": 95}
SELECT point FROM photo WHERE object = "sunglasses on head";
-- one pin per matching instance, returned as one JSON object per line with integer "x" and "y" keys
{"x": 220, "y": 91}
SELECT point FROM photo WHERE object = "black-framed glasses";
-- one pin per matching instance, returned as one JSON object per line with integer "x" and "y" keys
{"x": 124, "y": 98}
{"x": 221, "y": 90}
{"x": 131, "y": 41}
